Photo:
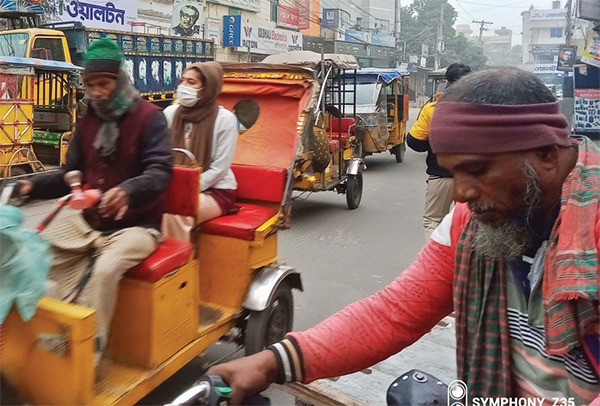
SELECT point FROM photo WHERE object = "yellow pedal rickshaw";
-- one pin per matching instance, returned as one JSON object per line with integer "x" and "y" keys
{"x": 330, "y": 155}
{"x": 185, "y": 296}
{"x": 382, "y": 111}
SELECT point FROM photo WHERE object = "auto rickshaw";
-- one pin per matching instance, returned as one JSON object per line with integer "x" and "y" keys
{"x": 228, "y": 282}
{"x": 38, "y": 114}
{"x": 438, "y": 82}
{"x": 382, "y": 111}
{"x": 330, "y": 155}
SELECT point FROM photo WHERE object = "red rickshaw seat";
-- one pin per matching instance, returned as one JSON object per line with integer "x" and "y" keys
{"x": 254, "y": 183}
{"x": 334, "y": 145}
{"x": 241, "y": 225}
{"x": 259, "y": 182}
{"x": 181, "y": 198}
{"x": 168, "y": 257}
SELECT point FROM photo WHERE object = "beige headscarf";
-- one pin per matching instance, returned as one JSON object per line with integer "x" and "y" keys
{"x": 202, "y": 116}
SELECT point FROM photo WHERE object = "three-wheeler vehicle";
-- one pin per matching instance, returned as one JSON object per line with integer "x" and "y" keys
{"x": 38, "y": 113}
{"x": 382, "y": 111}
{"x": 228, "y": 281}
{"x": 329, "y": 157}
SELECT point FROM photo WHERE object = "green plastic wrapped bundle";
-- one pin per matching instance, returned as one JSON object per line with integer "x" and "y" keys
{"x": 25, "y": 260}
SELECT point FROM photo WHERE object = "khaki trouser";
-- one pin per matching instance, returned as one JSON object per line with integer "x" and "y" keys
{"x": 179, "y": 227}
{"x": 438, "y": 201}
{"x": 74, "y": 243}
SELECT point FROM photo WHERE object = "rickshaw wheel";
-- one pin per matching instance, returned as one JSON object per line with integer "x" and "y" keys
{"x": 354, "y": 188}
{"x": 272, "y": 324}
{"x": 400, "y": 149}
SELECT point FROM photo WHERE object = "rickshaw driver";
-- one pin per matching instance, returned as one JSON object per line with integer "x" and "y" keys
{"x": 525, "y": 235}
{"x": 121, "y": 145}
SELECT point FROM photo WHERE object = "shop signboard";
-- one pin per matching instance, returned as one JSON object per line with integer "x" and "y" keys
{"x": 331, "y": 18}
{"x": 103, "y": 14}
{"x": 553, "y": 14}
{"x": 232, "y": 31}
{"x": 250, "y": 5}
{"x": 287, "y": 17}
{"x": 260, "y": 39}
{"x": 303, "y": 13}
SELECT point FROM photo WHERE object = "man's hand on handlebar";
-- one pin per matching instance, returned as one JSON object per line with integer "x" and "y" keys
{"x": 25, "y": 187}
{"x": 247, "y": 376}
{"x": 114, "y": 203}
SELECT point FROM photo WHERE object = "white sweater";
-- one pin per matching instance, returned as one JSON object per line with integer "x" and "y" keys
{"x": 218, "y": 175}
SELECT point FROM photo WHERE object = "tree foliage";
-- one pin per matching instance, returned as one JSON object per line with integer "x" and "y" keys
{"x": 461, "y": 50}
{"x": 420, "y": 26}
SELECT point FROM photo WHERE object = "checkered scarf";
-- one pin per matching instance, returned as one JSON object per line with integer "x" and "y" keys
{"x": 110, "y": 111}
{"x": 570, "y": 286}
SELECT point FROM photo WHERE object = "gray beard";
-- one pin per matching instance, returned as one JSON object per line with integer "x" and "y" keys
{"x": 510, "y": 240}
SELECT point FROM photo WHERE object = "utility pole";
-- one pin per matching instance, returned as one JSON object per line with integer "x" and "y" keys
{"x": 440, "y": 38}
{"x": 397, "y": 25}
{"x": 481, "y": 29}
{"x": 568, "y": 102}
{"x": 568, "y": 31}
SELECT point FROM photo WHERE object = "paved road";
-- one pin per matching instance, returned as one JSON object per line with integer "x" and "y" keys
{"x": 345, "y": 256}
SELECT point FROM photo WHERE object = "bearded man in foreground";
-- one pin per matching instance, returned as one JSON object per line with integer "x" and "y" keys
{"x": 517, "y": 260}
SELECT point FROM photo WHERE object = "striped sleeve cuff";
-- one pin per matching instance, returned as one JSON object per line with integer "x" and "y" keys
{"x": 290, "y": 364}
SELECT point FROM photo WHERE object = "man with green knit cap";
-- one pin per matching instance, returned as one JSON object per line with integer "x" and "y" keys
{"x": 122, "y": 147}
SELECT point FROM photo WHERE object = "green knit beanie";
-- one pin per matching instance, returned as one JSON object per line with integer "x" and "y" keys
{"x": 103, "y": 56}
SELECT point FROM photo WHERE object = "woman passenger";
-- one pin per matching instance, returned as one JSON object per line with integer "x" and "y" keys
{"x": 209, "y": 131}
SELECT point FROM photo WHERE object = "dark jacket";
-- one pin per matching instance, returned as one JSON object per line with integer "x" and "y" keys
{"x": 142, "y": 167}
{"x": 418, "y": 139}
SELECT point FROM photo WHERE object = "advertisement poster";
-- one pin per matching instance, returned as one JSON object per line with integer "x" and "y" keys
{"x": 213, "y": 30}
{"x": 566, "y": 58}
{"x": 288, "y": 17}
{"x": 23, "y": 6}
{"x": 591, "y": 56}
{"x": 103, "y": 14}
{"x": 587, "y": 109}
{"x": 186, "y": 18}
{"x": 303, "y": 13}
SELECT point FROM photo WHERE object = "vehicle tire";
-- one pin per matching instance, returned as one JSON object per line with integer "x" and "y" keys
{"x": 400, "y": 149}
{"x": 321, "y": 156}
{"x": 272, "y": 324}
{"x": 354, "y": 188}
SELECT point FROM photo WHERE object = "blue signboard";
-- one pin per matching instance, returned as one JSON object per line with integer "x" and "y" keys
{"x": 331, "y": 18}
{"x": 232, "y": 31}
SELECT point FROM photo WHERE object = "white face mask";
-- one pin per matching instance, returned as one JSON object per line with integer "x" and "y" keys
{"x": 187, "y": 96}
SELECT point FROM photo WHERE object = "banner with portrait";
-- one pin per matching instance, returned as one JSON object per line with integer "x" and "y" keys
{"x": 187, "y": 18}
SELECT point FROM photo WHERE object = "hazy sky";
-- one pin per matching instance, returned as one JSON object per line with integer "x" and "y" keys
{"x": 505, "y": 13}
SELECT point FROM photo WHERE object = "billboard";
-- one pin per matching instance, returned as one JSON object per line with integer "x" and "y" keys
{"x": 22, "y": 6}
{"x": 103, "y": 14}
{"x": 232, "y": 30}
{"x": 331, "y": 18}
{"x": 287, "y": 17}
{"x": 186, "y": 18}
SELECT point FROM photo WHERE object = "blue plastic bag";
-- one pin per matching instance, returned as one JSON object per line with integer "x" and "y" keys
{"x": 25, "y": 260}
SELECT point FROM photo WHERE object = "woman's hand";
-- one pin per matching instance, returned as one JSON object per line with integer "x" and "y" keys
{"x": 247, "y": 376}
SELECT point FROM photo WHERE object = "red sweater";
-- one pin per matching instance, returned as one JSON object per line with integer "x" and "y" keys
{"x": 373, "y": 329}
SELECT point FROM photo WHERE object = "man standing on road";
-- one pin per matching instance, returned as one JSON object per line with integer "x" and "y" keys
{"x": 122, "y": 147}
{"x": 438, "y": 198}
{"x": 517, "y": 260}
